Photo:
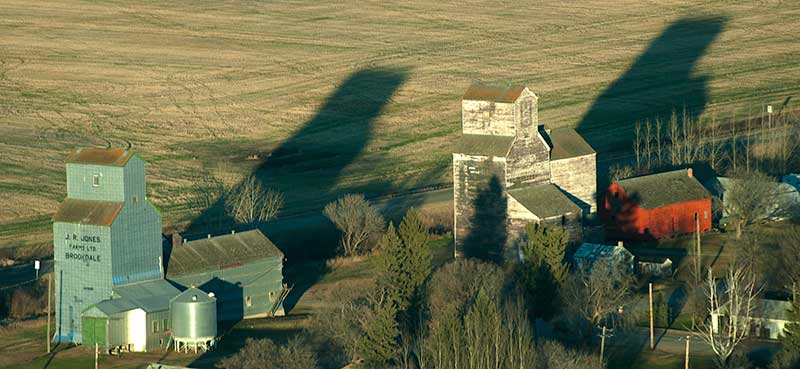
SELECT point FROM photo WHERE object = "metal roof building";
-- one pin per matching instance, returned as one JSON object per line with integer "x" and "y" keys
{"x": 244, "y": 270}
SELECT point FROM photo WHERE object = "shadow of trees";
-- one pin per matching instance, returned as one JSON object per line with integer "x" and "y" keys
{"x": 488, "y": 226}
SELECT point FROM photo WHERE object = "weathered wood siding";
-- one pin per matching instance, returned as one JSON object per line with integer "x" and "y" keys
{"x": 529, "y": 161}
{"x": 578, "y": 178}
{"x": 471, "y": 175}
{"x": 487, "y": 118}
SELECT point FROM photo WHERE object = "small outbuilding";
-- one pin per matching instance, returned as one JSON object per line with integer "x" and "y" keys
{"x": 590, "y": 253}
{"x": 657, "y": 206}
{"x": 656, "y": 266}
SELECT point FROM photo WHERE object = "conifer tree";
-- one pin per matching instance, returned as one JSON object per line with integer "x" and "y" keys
{"x": 415, "y": 238}
{"x": 379, "y": 344}
{"x": 546, "y": 246}
{"x": 791, "y": 331}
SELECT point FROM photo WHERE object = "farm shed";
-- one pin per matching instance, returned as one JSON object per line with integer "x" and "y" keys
{"x": 527, "y": 171}
{"x": 135, "y": 318}
{"x": 766, "y": 321}
{"x": 590, "y": 253}
{"x": 657, "y": 205}
{"x": 244, "y": 270}
{"x": 656, "y": 266}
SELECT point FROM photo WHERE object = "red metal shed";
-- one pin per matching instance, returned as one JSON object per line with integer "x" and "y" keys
{"x": 657, "y": 205}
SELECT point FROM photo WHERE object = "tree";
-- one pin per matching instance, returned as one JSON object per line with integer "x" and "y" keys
{"x": 591, "y": 295}
{"x": 266, "y": 354}
{"x": 250, "y": 202}
{"x": 752, "y": 196}
{"x": 555, "y": 355}
{"x": 791, "y": 331}
{"x": 617, "y": 172}
{"x": 788, "y": 257}
{"x": 359, "y": 222}
{"x": 543, "y": 271}
{"x": 406, "y": 260}
{"x": 380, "y": 342}
{"x": 730, "y": 305}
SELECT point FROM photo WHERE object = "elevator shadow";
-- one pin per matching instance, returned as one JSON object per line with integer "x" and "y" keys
{"x": 660, "y": 81}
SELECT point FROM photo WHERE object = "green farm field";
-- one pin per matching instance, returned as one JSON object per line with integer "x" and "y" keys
{"x": 323, "y": 98}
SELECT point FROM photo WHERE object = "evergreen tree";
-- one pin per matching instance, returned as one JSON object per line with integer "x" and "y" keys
{"x": 415, "y": 239}
{"x": 791, "y": 331}
{"x": 546, "y": 246}
{"x": 379, "y": 344}
{"x": 544, "y": 270}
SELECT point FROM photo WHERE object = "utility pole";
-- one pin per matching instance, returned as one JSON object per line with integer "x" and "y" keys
{"x": 652, "y": 343}
{"x": 686, "y": 361}
{"x": 606, "y": 333}
{"x": 49, "y": 308}
{"x": 96, "y": 354}
{"x": 698, "y": 251}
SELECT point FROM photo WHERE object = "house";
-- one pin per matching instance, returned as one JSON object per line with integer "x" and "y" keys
{"x": 590, "y": 253}
{"x": 766, "y": 321}
{"x": 657, "y": 206}
{"x": 785, "y": 203}
{"x": 507, "y": 165}
{"x": 656, "y": 266}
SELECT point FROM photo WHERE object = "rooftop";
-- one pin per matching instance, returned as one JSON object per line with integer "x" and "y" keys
{"x": 567, "y": 143}
{"x": 594, "y": 251}
{"x": 220, "y": 252}
{"x": 99, "y": 156}
{"x": 193, "y": 294}
{"x": 484, "y": 145}
{"x": 149, "y": 296}
{"x": 544, "y": 200}
{"x": 661, "y": 189}
{"x": 100, "y": 213}
{"x": 495, "y": 93}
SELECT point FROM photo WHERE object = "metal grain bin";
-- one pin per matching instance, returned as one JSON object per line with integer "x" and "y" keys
{"x": 194, "y": 316}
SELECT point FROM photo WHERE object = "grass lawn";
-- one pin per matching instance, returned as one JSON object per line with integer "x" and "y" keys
{"x": 348, "y": 97}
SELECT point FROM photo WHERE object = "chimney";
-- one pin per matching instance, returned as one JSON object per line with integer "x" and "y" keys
{"x": 689, "y": 172}
{"x": 177, "y": 239}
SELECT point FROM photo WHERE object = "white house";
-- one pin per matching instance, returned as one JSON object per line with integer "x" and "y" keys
{"x": 767, "y": 319}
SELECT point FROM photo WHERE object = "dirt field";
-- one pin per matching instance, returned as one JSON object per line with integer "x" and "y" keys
{"x": 338, "y": 97}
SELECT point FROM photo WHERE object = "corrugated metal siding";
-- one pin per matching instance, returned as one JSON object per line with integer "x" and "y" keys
{"x": 79, "y": 281}
{"x": 262, "y": 280}
{"x": 137, "y": 244}
{"x": 157, "y": 339}
{"x": 79, "y": 182}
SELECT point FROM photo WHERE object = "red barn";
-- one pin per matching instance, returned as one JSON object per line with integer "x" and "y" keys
{"x": 657, "y": 205}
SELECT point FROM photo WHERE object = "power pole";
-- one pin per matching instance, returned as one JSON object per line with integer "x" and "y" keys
{"x": 96, "y": 354}
{"x": 686, "y": 361}
{"x": 49, "y": 292}
{"x": 698, "y": 251}
{"x": 602, "y": 344}
{"x": 652, "y": 343}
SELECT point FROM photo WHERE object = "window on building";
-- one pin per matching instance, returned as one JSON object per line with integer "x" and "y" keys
{"x": 248, "y": 301}
{"x": 96, "y": 180}
{"x": 136, "y": 199}
{"x": 155, "y": 326}
{"x": 705, "y": 214}
{"x": 165, "y": 324}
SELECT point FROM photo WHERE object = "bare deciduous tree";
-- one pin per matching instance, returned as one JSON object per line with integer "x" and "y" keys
{"x": 617, "y": 172}
{"x": 637, "y": 144}
{"x": 752, "y": 196}
{"x": 250, "y": 202}
{"x": 359, "y": 222}
{"x": 730, "y": 306}
{"x": 592, "y": 295}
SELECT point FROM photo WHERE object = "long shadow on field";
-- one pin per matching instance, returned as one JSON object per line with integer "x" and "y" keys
{"x": 317, "y": 153}
{"x": 659, "y": 82}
